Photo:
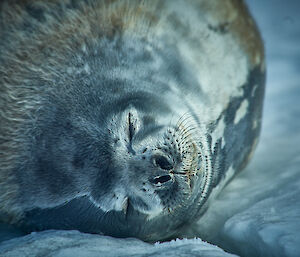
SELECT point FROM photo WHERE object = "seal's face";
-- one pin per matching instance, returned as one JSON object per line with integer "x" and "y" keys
{"x": 155, "y": 167}
{"x": 129, "y": 177}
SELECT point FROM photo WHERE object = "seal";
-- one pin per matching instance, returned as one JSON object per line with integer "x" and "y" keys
{"x": 124, "y": 118}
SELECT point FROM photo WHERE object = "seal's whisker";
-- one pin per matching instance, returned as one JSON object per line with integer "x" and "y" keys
{"x": 183, "y": 116}
{"x": 183, "y": 119}
{"x": 183, "y": 129}
{"x": 179, "y": 173}
{"x": 187, "y": 132}
{"x": 187, "y": 139}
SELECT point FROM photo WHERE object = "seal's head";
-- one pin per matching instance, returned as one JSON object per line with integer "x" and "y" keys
{"x": 131, "y": 176}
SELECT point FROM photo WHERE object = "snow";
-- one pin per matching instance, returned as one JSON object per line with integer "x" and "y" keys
{"x": 258, "y": 213}
{"x": 264, "y": 230}
{"x": 73, "y": 243}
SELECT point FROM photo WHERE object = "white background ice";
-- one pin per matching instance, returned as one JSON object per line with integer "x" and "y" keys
{"x": 258, "y": 214}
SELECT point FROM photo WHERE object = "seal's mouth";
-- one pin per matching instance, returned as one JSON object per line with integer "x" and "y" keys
{"x": 125, "y": 205}
{"x": 136, "y": 204}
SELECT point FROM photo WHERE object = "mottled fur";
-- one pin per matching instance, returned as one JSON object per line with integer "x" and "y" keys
{"x": 45, "y": 47}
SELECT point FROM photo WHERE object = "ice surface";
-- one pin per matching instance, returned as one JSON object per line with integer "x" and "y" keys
{"x": 73, "y": 243}
{"x": 270, "y": 227}
{"x": 258, "y": 213}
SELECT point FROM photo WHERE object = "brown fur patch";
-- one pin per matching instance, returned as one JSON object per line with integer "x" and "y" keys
{"x": 235, "y": 16}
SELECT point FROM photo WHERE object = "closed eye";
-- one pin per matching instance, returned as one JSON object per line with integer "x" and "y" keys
{"x": 131, "y": 127}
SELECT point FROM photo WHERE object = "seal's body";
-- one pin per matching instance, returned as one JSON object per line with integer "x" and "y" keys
{"x": 124, "y": 117}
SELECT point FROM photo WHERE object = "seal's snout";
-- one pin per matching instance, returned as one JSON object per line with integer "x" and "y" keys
{"x": 165, "y": 167}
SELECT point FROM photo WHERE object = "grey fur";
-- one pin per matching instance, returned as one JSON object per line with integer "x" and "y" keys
{"x": 99, "y": 98}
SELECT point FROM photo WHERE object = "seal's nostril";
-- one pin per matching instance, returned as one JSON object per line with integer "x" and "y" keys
{"x": 161, "y": 179}
{"x": 162, "y": 162}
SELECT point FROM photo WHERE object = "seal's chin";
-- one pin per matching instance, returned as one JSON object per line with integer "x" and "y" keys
{"x": 150, "y": 209}
{"x": 149, "y": 205}
{"x": 115, "y": 204}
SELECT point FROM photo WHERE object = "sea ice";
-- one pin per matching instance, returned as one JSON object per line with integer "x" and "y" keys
{"x": 73, "y": 243}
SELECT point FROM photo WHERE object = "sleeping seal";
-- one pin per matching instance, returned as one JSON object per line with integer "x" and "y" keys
{"x": 124, "y": 118}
